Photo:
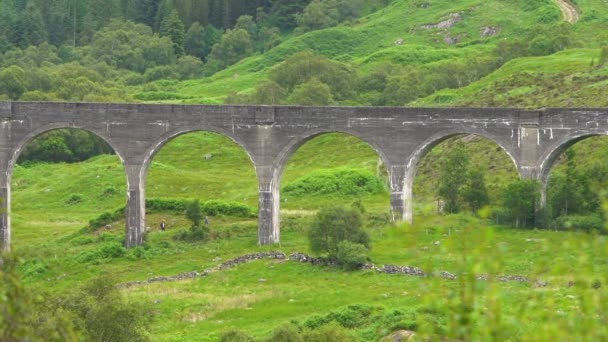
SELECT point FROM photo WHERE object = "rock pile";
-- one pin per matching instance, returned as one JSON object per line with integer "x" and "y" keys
{"x": 250, "y": 257}
{"x": 301, "y": 257}
{"x": 408, "y": 270}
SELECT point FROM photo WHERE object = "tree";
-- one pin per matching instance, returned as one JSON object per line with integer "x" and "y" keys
{"x": 333, "y": 225}
{"x": 232, "y": 47}
{"x": 12, "y": 82}
{"x": 268, "y": 37}
{"x": 104, "y": 314}
{"x": 246, "y": 22}
{"x": 299, "y": 68}
{"x": 520, "y": 201}
{"x": 194, "y": 42}
{"x": 475, "y": 193}
{"x": 194, "y": 214}
{"x": 189, "y": 67}
{"x": 268, "y": 93}
{"x": 173, "y": 28}
{"x": 453, "y": 178}
{"x": 570, "y": 191}
{"x": 311, "y": 93}
{"x": 317, "y": 15}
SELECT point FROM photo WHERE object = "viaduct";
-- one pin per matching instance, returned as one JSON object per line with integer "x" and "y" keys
{"x": 271, "y": 134}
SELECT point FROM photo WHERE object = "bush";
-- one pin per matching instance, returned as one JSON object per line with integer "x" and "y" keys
{"x": 74, "y": 199}
{"x": 286, "y": 333}
{"x": 104, "y": 219}
{"x": 193, "y": 213}
{"x": 580, "y": 222}
{"x": 105, "y": 315}
{"x": 342, "y": 181}
{"x": 351, "y": 256}
{"x": 106, "y": 251}
{"x": 329, "y": 333}
{"x": 217, "y": 207}
{"x": 211, "y": 208}
{"x": 334, "y": 225}
{"x": 235, "y": 336}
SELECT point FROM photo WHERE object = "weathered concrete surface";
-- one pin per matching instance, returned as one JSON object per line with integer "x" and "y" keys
{"x": 271, "y": 134}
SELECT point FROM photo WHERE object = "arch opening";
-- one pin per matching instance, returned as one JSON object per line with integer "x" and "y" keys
{"x": 328, "y": 169}
{"x": 60, "y": 179}
{"x": 460, "y": 172}
{"x": 575, "y": 176}
{"x": 206, "y": 166}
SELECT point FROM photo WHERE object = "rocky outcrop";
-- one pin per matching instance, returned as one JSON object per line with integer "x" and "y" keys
{"x": 488, "y": 31}
{"x": 446, "y": 23}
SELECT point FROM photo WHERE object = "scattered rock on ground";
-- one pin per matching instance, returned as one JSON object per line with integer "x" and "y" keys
{"x": 488, "y": 31}
{"x": 450, "y": 40}
{"x": 399, "y": 336}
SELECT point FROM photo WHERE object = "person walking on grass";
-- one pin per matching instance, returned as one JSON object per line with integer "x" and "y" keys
{"x": 162, "y": 225}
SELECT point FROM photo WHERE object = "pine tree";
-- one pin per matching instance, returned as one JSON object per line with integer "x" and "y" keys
{"x": 173, "y": 28}
{"x": 194, "y": 43}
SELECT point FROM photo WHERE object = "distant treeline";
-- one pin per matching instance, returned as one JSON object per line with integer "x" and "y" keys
{"x": 31, "y": 22}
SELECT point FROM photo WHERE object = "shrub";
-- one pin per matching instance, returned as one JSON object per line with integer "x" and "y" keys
{"x": 104, "y": 219}
{"x": 581, "y": 222}
{"x": 211, "y": 208}
{"x": 104, "y": 314}
{"x": 334, "y": 225}
{"x": 235, "y": 336}
{"x": 329, "y": 333}
{"x": 109, "y": 191}
{"x": 217, "y": 207}
{"x": 193, "y": 213}
{"x": 286, "y": 333}
{"x": 342, "y": 181}
{"x": 82, "y": 240}
{"x": 351, "y": 256}
{"x": 74, "y": 199}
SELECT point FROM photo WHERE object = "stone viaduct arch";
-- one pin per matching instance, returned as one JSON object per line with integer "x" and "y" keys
{"x": 292, "y": 146}
{"x": 270, "y": 134}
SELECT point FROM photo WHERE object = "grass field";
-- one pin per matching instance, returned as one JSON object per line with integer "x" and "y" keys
{"x": 57, "y": 258}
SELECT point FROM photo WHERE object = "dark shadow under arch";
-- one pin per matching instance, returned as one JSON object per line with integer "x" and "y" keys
{"x": 31, "y": 136}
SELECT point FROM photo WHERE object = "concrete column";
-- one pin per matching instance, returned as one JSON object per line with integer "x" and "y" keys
{"x": 268, "y": 213}
{"x": 135, "y": 211}
{"x": 5, "y": 183}
{"x": 401, "y": 194}
{"x": 5, "y": 218}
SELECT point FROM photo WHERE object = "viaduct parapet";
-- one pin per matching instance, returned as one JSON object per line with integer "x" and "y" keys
{"x": 271, "y": 134}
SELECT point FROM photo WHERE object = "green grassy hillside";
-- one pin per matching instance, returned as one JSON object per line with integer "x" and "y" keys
{"x": 370, "y": 41}
{"x": 571, "y": 78}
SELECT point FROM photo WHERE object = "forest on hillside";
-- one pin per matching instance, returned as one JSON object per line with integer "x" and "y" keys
{"x": 140, "y": 51}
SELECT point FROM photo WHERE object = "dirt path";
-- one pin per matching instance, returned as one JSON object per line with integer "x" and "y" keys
{"x": 569, "y": 11}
